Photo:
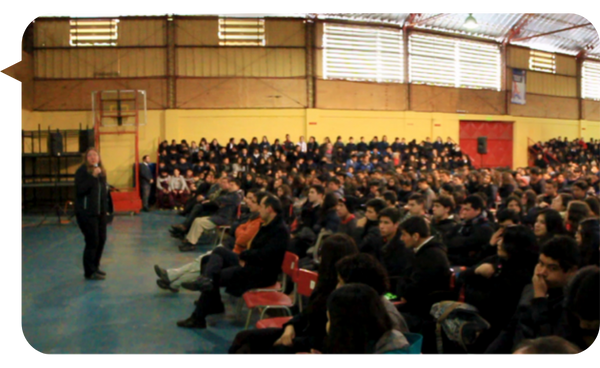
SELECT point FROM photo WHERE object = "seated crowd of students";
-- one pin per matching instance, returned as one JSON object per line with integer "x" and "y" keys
{"x": 511, "y": 256}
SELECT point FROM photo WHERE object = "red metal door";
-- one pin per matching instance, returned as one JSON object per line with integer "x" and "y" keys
{"x": 499, "y": 142}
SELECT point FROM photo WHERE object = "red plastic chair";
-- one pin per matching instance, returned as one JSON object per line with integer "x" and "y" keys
{"x": 307, "y": 280}
{"x": 461, "y": 292}
{"x": 270, "y": 298}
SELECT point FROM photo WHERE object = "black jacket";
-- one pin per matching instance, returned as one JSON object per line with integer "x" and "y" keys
{"x": 91, "y": 193}
{"x": 263, "y": 258}
{"x": 496, "y": 298}
{"x": 428, "y": 276}
{"x": 467, "y": 240}
{"x": 228, "y": 205}
{"x": 441, "y": 229}
{"x": 397, "y": 259}
{"x": 145, "y": 174}
{"x": 368, "y": 239}
{"x": 534, "y": 317}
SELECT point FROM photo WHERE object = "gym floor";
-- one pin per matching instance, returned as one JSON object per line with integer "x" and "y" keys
{"x": 126, "y": 313}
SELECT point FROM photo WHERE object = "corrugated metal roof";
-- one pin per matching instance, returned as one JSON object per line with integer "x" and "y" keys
{"x": 492, "y": 26}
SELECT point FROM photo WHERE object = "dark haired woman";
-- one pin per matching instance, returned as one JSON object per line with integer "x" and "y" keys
{"x": 495, "y": 285}
{"x": 359, "y": 324}
{"x": 588, "y": 240}
{"x": 91, "y": 207}
{"x": 243, "y": 144}
{"x": 284, "y": 193}
{"x": 306, "y": 330}
{"x": 253, "y": 145}
{"x": 328, "y": 218}
{"x": 548, "y": 224}
{"x": 276, "y": 147}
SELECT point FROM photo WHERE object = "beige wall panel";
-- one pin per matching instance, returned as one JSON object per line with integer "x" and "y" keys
{"x": 319, "y": 35}
{"x": 333, "y": 94}
{"x": 196, "y": 32}
{"x": 591, "y": 110}
{"x": 285, "y": 32}
{"x": 433, "y": 99}
{"x": 89, "y": 63}
{"x": 23, "y": 72}
{"x": 240, "y": 62}
{"x": 149, "y": 62}
{"x": 518, "y": 57}
{"x": 142, "y": 32}
{"x": 68, "y": 95}
{"x": 476, "y": 101}
{"x": 51, "y": 33}
{"x": 547, "y": 107}
{"x": 445, "y": 99}
{"x": 551, "y": 84}
{"x": 566, "y": 65}
{"x": 232, "y": 93}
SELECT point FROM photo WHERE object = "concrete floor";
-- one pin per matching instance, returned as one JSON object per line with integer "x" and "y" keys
{"x": 127, "y": 312}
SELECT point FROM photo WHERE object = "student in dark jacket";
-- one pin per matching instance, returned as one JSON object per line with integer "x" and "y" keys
{"x": 443, "y": 220}
{"x": 362, "y": 145}
{"x": 91, "y": 207}
{"x": 540, "y": 309}
{"x": 428, "y": 276}
{"x": 495, "y": 284}
{"x": 304, "y": 236}
{"x": 467, "y": 240}
{"x": 367, "y": 234}
{"x": 328, "y": 218}
{"x": 307, "y": 329}
{"x": 345, "y": 210}
{"x": 259, "y": 266}
{"x": 396, "y": 258}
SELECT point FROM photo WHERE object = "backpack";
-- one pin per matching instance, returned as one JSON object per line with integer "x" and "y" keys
{"x": 460, "y": 322}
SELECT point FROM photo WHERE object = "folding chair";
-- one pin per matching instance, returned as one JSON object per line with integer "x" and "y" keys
{"x": 271, "y": 298}
{"x": 307, "y": 280}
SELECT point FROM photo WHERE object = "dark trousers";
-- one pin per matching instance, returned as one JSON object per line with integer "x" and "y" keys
{"x": 221, "y": 266}
{"x": 94, "y": 232}
{"x": 145, "y": 193}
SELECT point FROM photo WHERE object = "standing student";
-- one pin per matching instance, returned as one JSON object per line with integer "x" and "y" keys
{"x": 91, "y": 206}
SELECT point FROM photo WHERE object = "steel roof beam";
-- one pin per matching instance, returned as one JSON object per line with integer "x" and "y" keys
{"x": 552, "y": 32}
{"x": 516, "y": 29}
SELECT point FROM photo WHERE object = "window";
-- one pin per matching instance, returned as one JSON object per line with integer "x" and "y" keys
{"x": 94, "y": 32}
{"x": 454, "y": 62}
{"x": 241, "y": 32}
{"x": 542, "y": 61}
{"x": 591, "y": 80}
{"x": 362, "y": 53}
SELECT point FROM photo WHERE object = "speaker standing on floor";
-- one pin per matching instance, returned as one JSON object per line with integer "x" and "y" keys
{"x": 55, "y": 144}
{"x": 86, "y": 140}
{"x": 482, "y": 145}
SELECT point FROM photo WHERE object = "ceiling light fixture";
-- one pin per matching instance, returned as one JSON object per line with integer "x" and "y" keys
{"x": 470, "y": 22}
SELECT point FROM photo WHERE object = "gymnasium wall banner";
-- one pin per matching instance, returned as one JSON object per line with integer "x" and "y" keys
{"x": 518, "y": 87}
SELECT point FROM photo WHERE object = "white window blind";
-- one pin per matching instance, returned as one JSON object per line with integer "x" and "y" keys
{"x": 454, "y": 62}
{"x": 94, "y": 32}
{"x": 542, "y": 61}
{"x": 591, "y": 80}
{"x": 241, "y": 32}
{"x": 362, "y": 53}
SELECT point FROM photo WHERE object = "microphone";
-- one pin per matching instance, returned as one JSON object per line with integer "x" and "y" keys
{"x": 95, "y": 165}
